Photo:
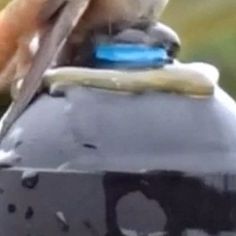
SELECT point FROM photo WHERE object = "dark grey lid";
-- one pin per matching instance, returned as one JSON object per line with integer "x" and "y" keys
{"x": 99, "y": 163}
{"x": 92, "y": 129}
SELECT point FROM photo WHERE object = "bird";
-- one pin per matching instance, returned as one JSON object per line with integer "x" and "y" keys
{"x": 17, "y": 30}
{"x": 58, "y": 22}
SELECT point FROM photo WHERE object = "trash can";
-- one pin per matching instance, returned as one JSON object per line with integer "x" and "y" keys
{"x": 100, "y": 163}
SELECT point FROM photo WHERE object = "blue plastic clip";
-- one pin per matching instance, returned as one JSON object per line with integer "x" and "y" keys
{"x": 132, "y": 54}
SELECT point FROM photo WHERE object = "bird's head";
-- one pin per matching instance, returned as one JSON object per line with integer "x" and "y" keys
{"x": 105, "y": 12}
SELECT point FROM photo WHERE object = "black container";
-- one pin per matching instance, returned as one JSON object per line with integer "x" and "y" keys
{"x": 101, "y": 163}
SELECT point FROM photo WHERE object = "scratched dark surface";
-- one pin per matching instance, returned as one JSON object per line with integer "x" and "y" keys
{"x": 97, "y": 163}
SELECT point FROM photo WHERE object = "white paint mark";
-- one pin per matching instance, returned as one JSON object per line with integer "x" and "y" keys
{"x": 8, "y": 158}
{"x": 15, "y": 135}
{"x": 6, "y": 154}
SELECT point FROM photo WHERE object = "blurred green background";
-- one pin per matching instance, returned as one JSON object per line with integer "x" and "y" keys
{"x": 208, "y": 32}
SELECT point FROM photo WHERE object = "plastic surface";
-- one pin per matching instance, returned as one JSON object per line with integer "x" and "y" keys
{"x": 97, "y": 163}
{"x": 131, "y": 55}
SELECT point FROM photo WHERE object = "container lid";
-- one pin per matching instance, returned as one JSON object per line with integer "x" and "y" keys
{"x": 95, "y": 129}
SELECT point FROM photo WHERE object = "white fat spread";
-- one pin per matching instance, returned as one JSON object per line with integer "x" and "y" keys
{"x": 191, "y": 79}
{"x": 195, "y": 71}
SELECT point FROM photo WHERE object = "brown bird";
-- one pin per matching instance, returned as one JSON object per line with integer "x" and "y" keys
{"x": 57, "y": 22}
{"x": 21, "y": 19}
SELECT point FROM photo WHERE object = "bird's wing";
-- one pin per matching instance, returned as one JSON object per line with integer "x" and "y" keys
{"x": 53, "y": 39}
{"x": 50, "y": 8}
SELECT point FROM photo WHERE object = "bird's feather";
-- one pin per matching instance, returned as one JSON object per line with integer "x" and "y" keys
{"x": 52, "y": 41}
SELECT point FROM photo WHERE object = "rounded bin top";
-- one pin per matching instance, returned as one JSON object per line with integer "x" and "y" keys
{"x": 93, "y": 129}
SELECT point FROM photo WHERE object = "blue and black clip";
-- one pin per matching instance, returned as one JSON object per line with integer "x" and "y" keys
{"x": 130, "y": 56}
